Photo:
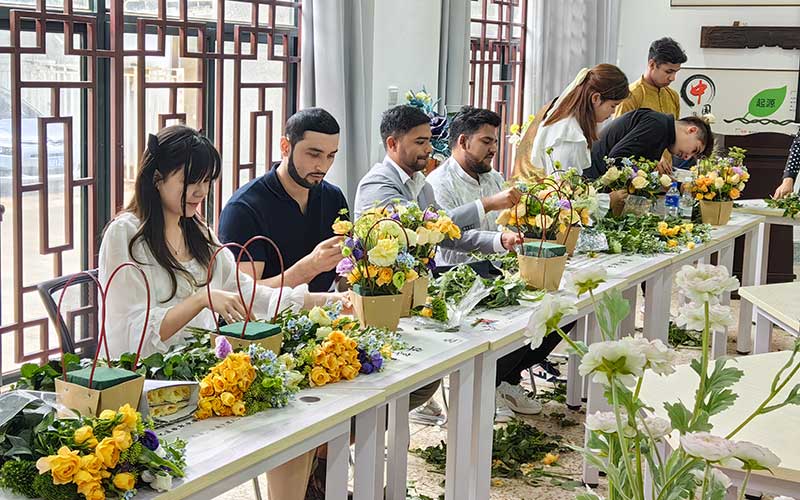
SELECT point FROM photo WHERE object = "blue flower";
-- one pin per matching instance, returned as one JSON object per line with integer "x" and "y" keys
{"x": 149, "y": 440}
{"x": 406, "y": 259}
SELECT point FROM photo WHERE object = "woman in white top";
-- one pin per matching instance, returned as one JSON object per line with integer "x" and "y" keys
{"x": 570, "y": 125}
{"x": 162, "y": 231}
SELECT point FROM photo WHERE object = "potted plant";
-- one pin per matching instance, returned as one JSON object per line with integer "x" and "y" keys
{"x": 377, "y": 262}
{"x": 718, "y": 181}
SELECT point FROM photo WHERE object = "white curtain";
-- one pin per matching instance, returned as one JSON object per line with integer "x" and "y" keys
{"x": 336, "y": 62}
{"x": 563, "y": 37}
{"x": 454, "y": 55}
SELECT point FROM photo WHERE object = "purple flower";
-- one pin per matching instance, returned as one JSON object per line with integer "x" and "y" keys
{"x": 367, "y": 368}
{"x": 344, "y": 267}
{"x": 149, "y": 440}
{"x": 738, "y": 170}
{"x": 376, "y": 360}
{"x": 564, "y": 204}
{"x": 222, "y": 347}
{"x": 349, "y": 242}
{"x": 431, "y": 264}
{"x": 358, "y": 252}
{"x": 396, "y": 216}
{"x": 430, "y": 215}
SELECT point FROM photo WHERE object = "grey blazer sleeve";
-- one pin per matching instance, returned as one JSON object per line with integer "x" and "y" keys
{"x": 372, "y": 192}
{"x": 472, "y": 241}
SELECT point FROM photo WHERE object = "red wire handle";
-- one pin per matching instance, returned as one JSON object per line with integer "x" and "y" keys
{"x": 556, "y": 188}
{"x": 249, "y": 309}
{"x": 146, "y": 316}
{"x": 280, "y": 262}
{"x": 58, "y": 323}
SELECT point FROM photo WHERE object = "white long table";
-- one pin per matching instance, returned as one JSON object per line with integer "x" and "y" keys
{"x": 774, "y": 304}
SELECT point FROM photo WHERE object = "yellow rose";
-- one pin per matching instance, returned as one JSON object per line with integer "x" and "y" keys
{"x": 319, "y": 316}
{"x": 690, "y": 245}
{"x": 384, "y": 276}
{"x": 349, "y": 372}
{"x": 351, "y": 344}
{"x": 734, "y": 179}
{"x": 353, "y": 276}
{"x": 219, "y": 384}
{"x": 238, "y": 409}
{"x": 549, "y": 459}
{"x": 229, "y": 375}
{"x": 338, "y": 349}
{"x": 719, "y": 182}
{"x": 331, "y": 362}
{"x": 122, "y": 439}
{"x": 337, "y": 337}
{"x": 63, "y": 466}
{"x": 411, "y": 275}
{"x": 227, "y": 398}
{"x": 514, "y": 129}
{"x": 124, "y": 481}
{"x": 710, "y": 196}
{"x": 672, "y": 243}
{"x": 665, "y": 180}
{"x": 108, "y": 452}
{"x": 91, "y": 464}
{"x": 386, "y": 350}
{"x": 202, "y": 414}
{"x": 735, "y": 193}
{"x": 217, "y": 406}
{"x": 206, "y": 389}
{"x": 611, "y": 175}
{"x": 92, "y": 491}
{"x": 342, "y": 227}
{"x": 107, "y": 415}
{"x": 698, "y": 196}
{"x": 130, "y": 417}
{"x": 319, "y": 376}
{"x": 204, "y": 404}
{"x": 83, "y": 433}
{"x": 83, "y": 476}
{"x": 639, "y": 182}
{"x": 384, "y": 253}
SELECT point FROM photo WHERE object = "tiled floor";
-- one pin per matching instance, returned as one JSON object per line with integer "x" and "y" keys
{"x": 430, "y": 483}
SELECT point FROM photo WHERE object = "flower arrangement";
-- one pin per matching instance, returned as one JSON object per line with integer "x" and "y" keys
{"x": 304, "y": 327}
{"x": 375, "y": 347}
{"x": 440, "y": 125}
{"x": 335, "y": 359}
{"x": 245, "y": 383}
{"x": 92, "y": 457}
{"x": 377, "y": 257}
{"x": 624, "y": 441}
{"x": 431, "y": 228}
{"x": 546, "y": 206}
{"x": 648, "y": 234}
{"x": 637, "y": 177}
{"x": 517, "y": 131}
{"x": 720, "y": 178}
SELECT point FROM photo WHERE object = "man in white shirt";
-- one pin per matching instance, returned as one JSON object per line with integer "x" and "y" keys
{"x": 468, "y": 175}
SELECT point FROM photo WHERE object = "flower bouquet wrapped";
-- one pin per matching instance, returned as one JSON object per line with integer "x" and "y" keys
{"x": 377, "y": 263}
{"x": 90, "y": 457}
{"x": 718, "y": 181}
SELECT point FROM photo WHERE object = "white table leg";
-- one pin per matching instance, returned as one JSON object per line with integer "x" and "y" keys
{"x": 726, "y": 259}
{"x": 459, "y": 432}
{"x": 628, "y": 325}
{"x": 380, "y": 450}
{"x": 336, "y": 475}
{"x": 719, "y": 339}
{"x": 482, "y": 425}
{"x": 764, "y": 230}
{"x": 744, "y": 339}
{"x": 367, "y": 443}
{"x": 574, "y": 380}
{"x": 595, "y": 401}
{"x": 763, "y": 333}
{"x": 398, "y": 441}
{"x": 657, "y": 303}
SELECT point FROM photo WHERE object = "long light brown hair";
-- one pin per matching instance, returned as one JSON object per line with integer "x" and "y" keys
{"x": 605, "y": 79}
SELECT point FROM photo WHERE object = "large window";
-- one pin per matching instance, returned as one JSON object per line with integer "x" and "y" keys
{"x": 78, "y": 95}
{"x": 497, "y": 63}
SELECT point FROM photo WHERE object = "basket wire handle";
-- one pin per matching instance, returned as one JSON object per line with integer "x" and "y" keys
{"x": 146, "y": 317}
{"x": 102, "y": 293}
{"x": 210, "y": 272}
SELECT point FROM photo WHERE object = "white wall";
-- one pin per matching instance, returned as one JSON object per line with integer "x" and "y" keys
{"x": 405, "y": 54}
{"x": 643, "y": 21}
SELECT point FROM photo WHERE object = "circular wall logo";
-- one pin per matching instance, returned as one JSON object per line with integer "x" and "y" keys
{"x": 698, "y": 90}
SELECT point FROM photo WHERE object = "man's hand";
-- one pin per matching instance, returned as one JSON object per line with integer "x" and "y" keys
{"x": 501, "y": 200}
{"x": 510, "y": 240}
{"x": 326, "y": 255}
{"x": 785, "y": 189}
{"x": 617, "y": 201}
{"x": 665, "y": 166}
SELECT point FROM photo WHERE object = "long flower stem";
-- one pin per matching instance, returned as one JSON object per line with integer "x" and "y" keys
{"x": 569, "y": 341}
{"x": 594, "y": 306}
{"x": 705, "y": 481}
{"x": 633, "y": 480}
{"x": 611, "y": 462}
{"x": 743, "y": 488}
{"x": 701, "y": 391}
{"x": 683, "y": 470}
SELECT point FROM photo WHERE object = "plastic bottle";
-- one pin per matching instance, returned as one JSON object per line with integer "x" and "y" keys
{"x": 672, "y": 201}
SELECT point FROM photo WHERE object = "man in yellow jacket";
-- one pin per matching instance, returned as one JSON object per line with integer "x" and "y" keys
{"x": 652, "y": 89}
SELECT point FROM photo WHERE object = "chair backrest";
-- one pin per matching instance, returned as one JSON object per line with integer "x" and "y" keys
{"x": 47, "y": 290}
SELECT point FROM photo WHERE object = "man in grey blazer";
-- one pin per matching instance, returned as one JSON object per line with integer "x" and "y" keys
{"x": 406, "y": 134}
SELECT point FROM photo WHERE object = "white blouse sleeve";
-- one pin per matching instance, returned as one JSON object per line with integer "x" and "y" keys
{"x": 570, "y": 154}
{"x": 266, "y": 298}
{"x": 126, "y": 300}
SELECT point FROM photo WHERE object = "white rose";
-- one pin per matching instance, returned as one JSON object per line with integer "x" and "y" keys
{"x": 641, "y": 173}
{"x": 293, "y": 378}
{"x": 626, "y": 358}
{"x": 606, "y": 422}
{"x": 754, "y": 456}
{"x": 713, "y": 175}
{"x": 706, "y": 446}
{"x": 719, "y": 182}
{"x": 692, "y": 317}
{"x": 656, "y": 427}
{"x": 705, "y": 283}
{"x": 147, "y": 476}
{"x": 611, "y": 174}
{"x": 323, "y": 332}
{"x": 665, "y": 180}
{"x": 319, "y": 316}
{"x": 412, "y": 238}
{"x": 734, "y": 179}
{"x": 435, "y": 237}
{"x": 740, "y": 187}
{"x": 585, "y": 279}
{"x": 660, "y": 358}
{"x": 423, "y": 236}
{"x": 639, "y": 182}
{"x": 550, "y": 310}
{"x": 520, "y": 210}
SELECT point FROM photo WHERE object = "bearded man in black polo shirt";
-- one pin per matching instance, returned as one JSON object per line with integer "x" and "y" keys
{"x": 294, "y": 206}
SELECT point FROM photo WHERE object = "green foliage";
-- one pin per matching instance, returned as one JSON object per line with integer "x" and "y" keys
{"x": 42, "y": 378}
{"x": 789, "y": 204}
{"x": 18, "y": 476}
{"x": 455, "y": 283}
{"x": 613, "y": 309}
{"x": 44, "y": 487}
{"x": 681, "y": 337}
{"x": 640, "y": 234}
{"x": 132, "y": 454}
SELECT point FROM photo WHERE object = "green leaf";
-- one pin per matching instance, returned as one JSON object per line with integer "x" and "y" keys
{"x": 613, "y": 308}
{"x": 767, "y": 102}
{"x": 28, "y": 370}
{"x": 679, "y": 416}
{"x": 722, "y": 376}
{"x": 719, "y": 401}
{"x": 19, "y": 447}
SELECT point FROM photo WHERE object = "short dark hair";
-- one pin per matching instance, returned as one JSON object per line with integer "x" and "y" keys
{"x": 704, "y": 132}
{"x": 399, "y": 120}
{"x": 310, "y": 120}
{"x": 469, "y": 120}
{"x": 666, "y": 50}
